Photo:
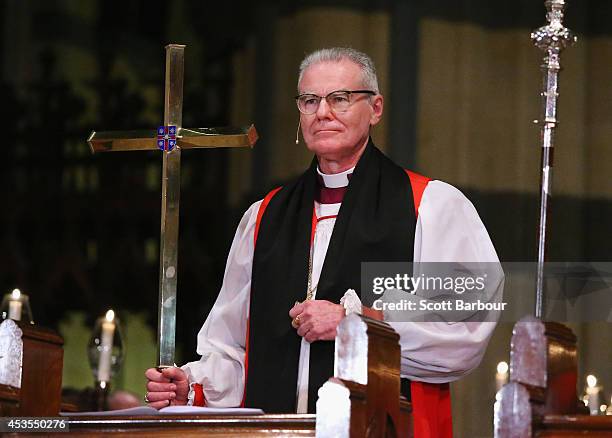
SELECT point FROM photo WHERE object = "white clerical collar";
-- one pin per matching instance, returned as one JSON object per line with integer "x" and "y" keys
{"x": 336, "y": 180}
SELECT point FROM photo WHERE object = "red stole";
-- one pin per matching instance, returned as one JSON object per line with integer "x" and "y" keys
{"x": 431, "y": 403}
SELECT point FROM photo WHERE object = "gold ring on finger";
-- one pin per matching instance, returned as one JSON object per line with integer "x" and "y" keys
{"x": 296, "y": 322}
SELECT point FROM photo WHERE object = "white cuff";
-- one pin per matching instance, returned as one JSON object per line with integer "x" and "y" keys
{"x": 351, "y": 302}
{"x": 191, "y": 395}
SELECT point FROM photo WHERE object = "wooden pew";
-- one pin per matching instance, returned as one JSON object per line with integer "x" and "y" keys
{"x": 366, "y": 377}
{"x": 363, "y": 398}
{"x": 41, "y": 374}
{"x": 541, "y": 399}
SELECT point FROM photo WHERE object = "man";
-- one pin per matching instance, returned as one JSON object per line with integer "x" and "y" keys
{"x": 296, "y": 258}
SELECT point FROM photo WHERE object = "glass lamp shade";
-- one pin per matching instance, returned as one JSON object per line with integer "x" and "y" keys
{"x": 105, "y": 349}
{"x": 16, "y": 306}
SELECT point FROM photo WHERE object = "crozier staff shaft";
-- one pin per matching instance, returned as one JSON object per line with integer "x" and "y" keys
{"x": 552, "y": 39}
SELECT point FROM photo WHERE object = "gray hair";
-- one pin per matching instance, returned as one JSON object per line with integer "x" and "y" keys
{"x": 337, "y": 54}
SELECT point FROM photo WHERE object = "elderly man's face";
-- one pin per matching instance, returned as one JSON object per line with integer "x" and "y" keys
{"x": 338, "y": 137}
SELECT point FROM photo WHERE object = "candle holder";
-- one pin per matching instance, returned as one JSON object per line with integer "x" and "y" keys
{"x": 16, "y": 306}
{"x": 105, "y": 353}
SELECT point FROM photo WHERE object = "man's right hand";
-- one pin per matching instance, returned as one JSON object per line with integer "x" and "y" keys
{"x": 165, "y": 388}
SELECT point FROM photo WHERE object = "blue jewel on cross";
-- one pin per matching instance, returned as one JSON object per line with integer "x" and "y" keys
{"x": 166, "y": 137}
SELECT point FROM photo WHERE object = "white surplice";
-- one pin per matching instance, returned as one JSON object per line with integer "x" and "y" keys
{"x": 448, "y": 229}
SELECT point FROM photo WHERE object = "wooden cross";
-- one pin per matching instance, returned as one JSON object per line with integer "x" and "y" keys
{"x": 171, "y": 138}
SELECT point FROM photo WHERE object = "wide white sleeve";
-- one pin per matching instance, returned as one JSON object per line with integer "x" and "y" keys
{"x": 448, "y": 229}
{"x": 222, "y": 338}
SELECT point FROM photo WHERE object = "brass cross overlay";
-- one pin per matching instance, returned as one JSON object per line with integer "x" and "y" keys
{"x": 186, "y": 138}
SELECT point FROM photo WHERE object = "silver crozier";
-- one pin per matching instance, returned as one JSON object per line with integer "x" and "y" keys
{"x": 552, "y": 39}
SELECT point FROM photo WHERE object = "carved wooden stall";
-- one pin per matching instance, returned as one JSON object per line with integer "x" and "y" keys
{"x": 362, "y": 400}
{"x": 541, "y": 399}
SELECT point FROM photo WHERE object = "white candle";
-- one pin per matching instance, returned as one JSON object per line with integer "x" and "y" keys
{"x": 501, "y": 377}
{"x": 592, "y": 391}
{"x": 108, "y": 332}
{"x": 15, "y": 305}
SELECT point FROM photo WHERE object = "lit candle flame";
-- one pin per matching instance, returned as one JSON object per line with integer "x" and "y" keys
{"x": 16, "y": 294}
{"x": 110, "y": 315}
{"x": 591, "y": 381}
{"x": 502, "y": 367}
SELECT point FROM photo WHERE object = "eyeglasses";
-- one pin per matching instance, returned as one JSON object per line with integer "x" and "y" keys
{"x": 339, "y": 101}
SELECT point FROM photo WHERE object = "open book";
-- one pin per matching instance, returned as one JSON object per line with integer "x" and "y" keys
{"x": 170, "y": 410}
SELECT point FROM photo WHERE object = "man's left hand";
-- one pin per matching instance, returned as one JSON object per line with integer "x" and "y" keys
{"x": 318, "y": 319}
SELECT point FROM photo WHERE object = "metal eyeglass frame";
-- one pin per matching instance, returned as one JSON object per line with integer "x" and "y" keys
{"x": 349, "y": 92}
